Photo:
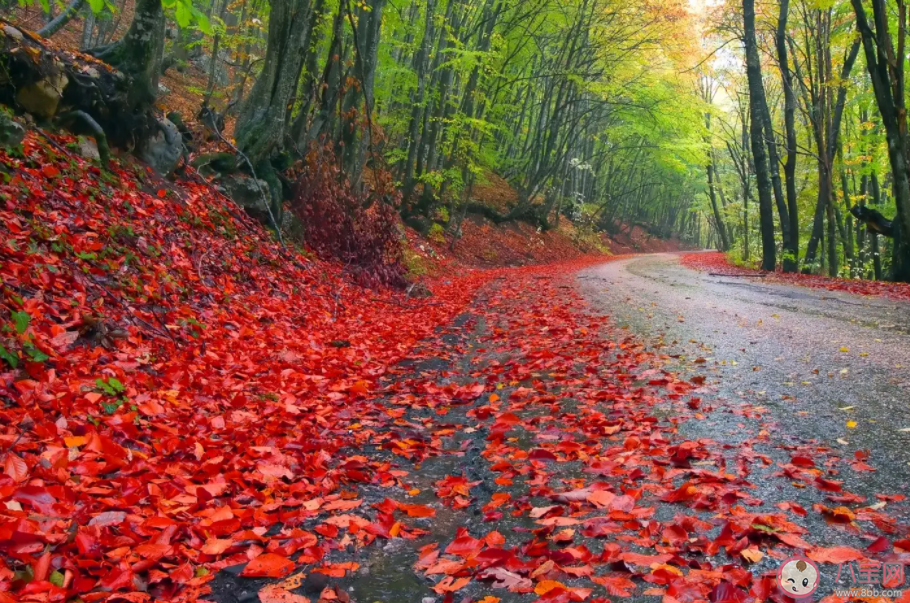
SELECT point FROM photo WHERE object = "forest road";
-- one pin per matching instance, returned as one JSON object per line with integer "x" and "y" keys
{"x": 823, "y": 366}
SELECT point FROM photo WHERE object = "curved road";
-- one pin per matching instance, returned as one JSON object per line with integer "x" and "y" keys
{"x": 827, "y": 368}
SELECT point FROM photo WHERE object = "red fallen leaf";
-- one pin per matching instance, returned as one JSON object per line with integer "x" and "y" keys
{"x": 464, "y": 546}
{"x": 268, "y": 565}
{"x": 801, "y": 460}
{"x": 445, "y": 566}
{"x": 837, "y": 554}
{"x": 847, "y": 497}
{"x": 828, "y": 485}
{"x": 579, "y": 495}
{"x": 541, "y": 454}
{"x": 728, "y": 593}
{"x": 793, "y": 540}
{"x": 494, "y": 539}
{"x": 42, "y": 567}
{"x": 15, "y": 467}
{"x": 645, "y": 560}
{"x": 880, "y": 545}
{"x": 538, "y": 512}
{"x": 338, "y": 570}
{"x": 601, "y": 498}
{"x": 903, "y": 544}
{"x": 50, "y": 171}
{"x": 154, "y": 550}
{"x": 674, "y": 535}
{"x": 616, "y": 585}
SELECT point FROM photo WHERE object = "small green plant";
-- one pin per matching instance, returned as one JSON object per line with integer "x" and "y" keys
{"x": 193, "y": 326}
{"x": 437, "y": 233}
{"x": 442, "y": 214}
{"x": 21, "y": 321}
{"x": 414, "y": 264}
{"x": 115, "y": 389}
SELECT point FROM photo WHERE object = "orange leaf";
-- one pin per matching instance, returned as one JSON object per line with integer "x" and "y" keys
{"x": 450, "y": 585}
{"x": 545, "y": 586}
{"x": 752, "y": 555}
{"x": 275, "y": 594}
{"x": 216, "y": 546}
{"x": 417, "y": 510}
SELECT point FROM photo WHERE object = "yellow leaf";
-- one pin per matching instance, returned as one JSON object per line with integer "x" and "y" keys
{"x": 845, "y": 349}
{"x": 851, "y": 424}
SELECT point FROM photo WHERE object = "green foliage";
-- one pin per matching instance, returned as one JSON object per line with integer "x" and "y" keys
{"x": 437, "y": 234}
{"x": 113, "y": 388}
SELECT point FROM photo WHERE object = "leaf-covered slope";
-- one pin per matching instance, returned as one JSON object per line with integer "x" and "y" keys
{"x": 170, "y": 377}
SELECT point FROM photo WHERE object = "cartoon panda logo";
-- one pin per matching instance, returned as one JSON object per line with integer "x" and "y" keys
{"x": 798, "y": 577}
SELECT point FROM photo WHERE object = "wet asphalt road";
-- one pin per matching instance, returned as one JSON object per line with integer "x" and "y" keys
{"x": 826, "y": 367}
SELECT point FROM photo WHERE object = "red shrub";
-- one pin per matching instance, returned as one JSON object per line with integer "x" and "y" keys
{"x": 361, "y": 231}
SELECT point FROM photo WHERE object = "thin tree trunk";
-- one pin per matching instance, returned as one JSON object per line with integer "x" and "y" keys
{"x": 791, "y": 249}
{"x": 58, "y": 22}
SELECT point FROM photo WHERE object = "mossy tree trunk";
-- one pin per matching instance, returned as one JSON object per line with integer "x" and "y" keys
{"x": 139, "y": 53}
{"x": 262, "y": 123}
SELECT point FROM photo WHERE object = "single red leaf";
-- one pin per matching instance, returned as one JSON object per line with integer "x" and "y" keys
{"x": 268, "y": 565}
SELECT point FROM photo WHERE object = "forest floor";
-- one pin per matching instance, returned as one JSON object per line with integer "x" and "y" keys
{"x": 190, "y": 412}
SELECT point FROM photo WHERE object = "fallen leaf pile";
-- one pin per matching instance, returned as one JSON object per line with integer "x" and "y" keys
{"x": 173, "y": 384}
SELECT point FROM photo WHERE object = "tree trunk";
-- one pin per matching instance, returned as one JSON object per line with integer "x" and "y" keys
{"x": 366, "y": 40}
{"x": 718, "y": 220}
{"x": 418, "y": 101}
{"x": 876, "y": 251}
{"x": 261, "y": 125}
{"x": 331, "y": 79}
{"x": 756, "y": 94}
{"x": 791, "y": 249}
{"x": 887, "y": 75}
{"x": 138, "y": 54}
